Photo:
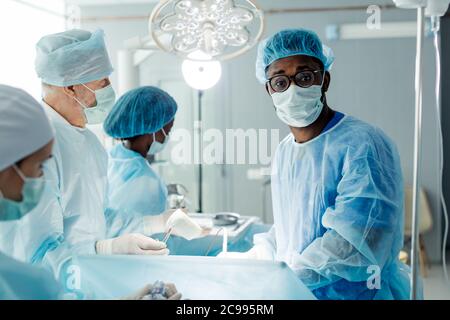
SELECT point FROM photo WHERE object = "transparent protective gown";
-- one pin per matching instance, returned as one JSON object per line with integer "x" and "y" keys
{"x": 338, "y": 213}
{"x": 134, "y": 188}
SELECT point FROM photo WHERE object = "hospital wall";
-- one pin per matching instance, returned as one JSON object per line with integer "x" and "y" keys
{"x": 371, "y": 79}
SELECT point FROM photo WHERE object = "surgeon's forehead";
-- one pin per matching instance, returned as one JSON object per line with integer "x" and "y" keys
{"x": 98, "y": 83}
{"x": 293, "y": 64}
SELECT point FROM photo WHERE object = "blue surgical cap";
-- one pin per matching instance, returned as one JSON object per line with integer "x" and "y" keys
{"x": 291, "y": 42}
{"x": 140, "y": 111}
{"x": 72, "y": 57}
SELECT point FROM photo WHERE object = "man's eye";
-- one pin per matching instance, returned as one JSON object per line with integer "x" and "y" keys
{"x": 305, "y": 78}
{"x": 280, "y": 83}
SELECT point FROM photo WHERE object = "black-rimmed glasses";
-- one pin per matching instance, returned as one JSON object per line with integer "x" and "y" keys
{"x": 304, "y": 79}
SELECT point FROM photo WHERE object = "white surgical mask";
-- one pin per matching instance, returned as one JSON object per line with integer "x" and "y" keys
{"x": 299, "y": 107}
{"x": 32, "y": 191}
{"x": 105, "y": 97}
{"x": 158, "y": 146}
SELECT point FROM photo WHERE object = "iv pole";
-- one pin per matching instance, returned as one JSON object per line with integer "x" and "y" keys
{"x": 417, "y": 154}
{"x": 200, "y": 144}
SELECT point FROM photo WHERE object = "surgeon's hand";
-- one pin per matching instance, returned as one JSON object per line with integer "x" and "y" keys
{"x": 133, "y": 243}
{"x": 156, "y": 291}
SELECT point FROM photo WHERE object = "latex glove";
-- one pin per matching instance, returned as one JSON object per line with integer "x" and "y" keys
{"x": 172, "y": 292}
{"x": 163, "y": 291}
{"x": 148, "y": 292}
{"x": 133, "y": 243}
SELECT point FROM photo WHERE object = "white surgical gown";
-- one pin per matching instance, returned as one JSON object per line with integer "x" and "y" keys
{"x": 135, "y": 190}
{"x": 78, "y": 171}
{"x": 338, "y": 213}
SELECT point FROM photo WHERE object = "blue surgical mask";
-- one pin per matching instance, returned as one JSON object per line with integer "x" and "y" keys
{"x": 105, "y": 97}
{"x": 299, "y": 107}
{"x": 32, "y": 191}
{"x": 158, "y": 146}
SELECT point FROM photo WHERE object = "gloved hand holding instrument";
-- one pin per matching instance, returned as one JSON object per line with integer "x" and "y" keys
{"x": 133, "y": 243}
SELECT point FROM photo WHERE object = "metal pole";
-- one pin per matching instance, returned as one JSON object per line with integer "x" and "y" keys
{"x": 417, "y": 155}
{"x": 200, "y": 144}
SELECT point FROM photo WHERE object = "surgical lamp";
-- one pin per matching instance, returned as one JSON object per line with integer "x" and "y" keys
{"x": 221, "y": 29}
{"x": 200, "y": 71}
{"x": 203, "y": 33}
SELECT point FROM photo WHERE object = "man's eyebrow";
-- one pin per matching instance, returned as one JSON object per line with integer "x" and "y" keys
{"x": 306, "y": 67}
{"x": 278, "y": 72}
{"x": 299, "y": 68}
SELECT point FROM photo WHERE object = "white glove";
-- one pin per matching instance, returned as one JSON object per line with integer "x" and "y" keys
{"x": 133, "y": 243}
{"x": 145, "y": 293}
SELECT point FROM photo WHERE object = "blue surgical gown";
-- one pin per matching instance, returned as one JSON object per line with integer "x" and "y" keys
{"x": 338, "y": 213}
{"x": 20, "y": 281}
{"x": 41, "y": 230}
{"x": 134, "y": 190}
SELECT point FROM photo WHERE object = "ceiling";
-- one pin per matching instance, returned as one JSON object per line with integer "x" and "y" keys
{"x": 107, "y": 2}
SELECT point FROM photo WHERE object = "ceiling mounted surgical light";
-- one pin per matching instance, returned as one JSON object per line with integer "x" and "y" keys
{"x": 200, "y": 72}
{"x": 220, "y": 29}
{"x": 203, "y": 33}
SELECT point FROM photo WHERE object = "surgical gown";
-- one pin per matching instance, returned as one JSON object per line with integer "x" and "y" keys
{"x": 338, "y": 213}
{"x": 41, "y": 230}
{"x": 20, "y": 281}
{"x": 78, "y": 173}
{"x": 134, "y": 190}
